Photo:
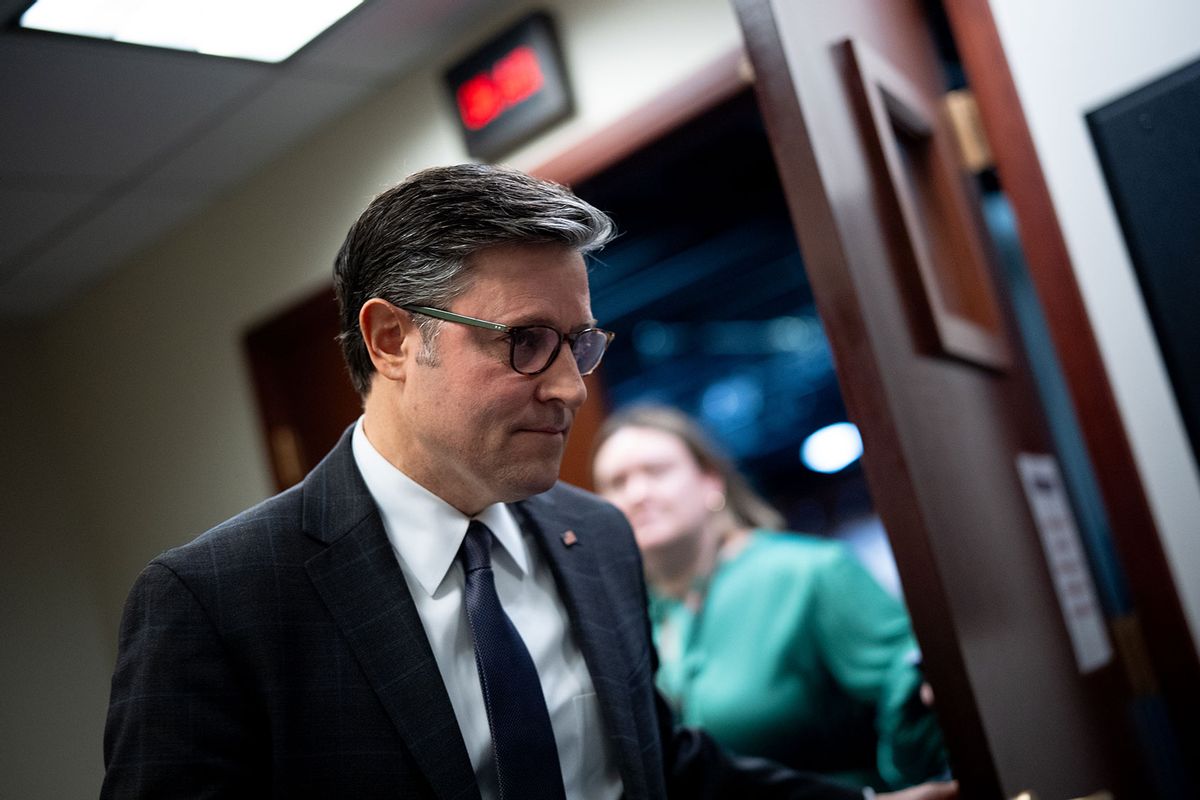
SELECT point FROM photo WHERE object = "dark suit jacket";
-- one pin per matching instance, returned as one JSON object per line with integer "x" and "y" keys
{"x": 280, "y": 655}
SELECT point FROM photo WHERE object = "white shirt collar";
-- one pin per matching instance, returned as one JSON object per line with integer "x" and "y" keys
{"x": 426, "y": 531}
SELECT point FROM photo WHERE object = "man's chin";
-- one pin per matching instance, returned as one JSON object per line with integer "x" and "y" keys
{"x": 531, "y": 483}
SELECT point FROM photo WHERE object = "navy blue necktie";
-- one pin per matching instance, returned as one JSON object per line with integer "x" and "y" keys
{"x": 522, "y": 739}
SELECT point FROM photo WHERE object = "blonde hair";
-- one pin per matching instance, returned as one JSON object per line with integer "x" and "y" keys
{"x": 746, "y": 507}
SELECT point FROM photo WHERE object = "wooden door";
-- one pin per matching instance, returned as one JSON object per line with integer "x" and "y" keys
{"x": 932, "y": 374}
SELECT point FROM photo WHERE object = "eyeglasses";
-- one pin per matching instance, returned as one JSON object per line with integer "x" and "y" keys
{"x": 533, "y": 348}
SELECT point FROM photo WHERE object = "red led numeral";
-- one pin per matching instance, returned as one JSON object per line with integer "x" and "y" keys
{"x": 513, "y": 78}
{"x": 518, "y": 75}
{"x": 479, "y": 101}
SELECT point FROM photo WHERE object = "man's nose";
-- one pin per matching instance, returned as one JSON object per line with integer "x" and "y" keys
{"x": 562, "y": 380}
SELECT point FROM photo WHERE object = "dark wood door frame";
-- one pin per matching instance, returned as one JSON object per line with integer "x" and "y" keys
{"x": 1167, "y": 639}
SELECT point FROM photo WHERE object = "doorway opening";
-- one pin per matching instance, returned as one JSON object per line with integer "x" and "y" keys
{"x": 707, "y": 293}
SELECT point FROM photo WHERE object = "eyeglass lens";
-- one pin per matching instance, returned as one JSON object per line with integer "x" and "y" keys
{"x": 534, "y": 348}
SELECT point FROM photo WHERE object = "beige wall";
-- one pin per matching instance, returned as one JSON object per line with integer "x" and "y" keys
{"x": 54, "y": 662}
{"x": 145, "y": 386}
{"x": 1068, "y": 58}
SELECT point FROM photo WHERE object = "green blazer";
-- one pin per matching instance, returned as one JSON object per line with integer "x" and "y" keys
{"x": 798, "y": 655}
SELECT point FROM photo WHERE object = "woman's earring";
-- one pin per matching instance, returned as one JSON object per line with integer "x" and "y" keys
{"x": 716, "y": 502}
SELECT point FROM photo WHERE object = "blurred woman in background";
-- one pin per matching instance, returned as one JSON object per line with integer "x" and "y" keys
{"x": 779, "y": 644}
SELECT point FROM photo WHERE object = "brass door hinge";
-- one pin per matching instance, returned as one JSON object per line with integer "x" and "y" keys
{"x": 963, "y": 113}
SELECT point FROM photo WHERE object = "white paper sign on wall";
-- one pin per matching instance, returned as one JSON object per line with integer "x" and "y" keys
{"x": 1065, "y": 556}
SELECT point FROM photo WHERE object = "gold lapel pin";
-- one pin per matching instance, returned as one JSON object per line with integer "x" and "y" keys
{"x": 569, "y": 538}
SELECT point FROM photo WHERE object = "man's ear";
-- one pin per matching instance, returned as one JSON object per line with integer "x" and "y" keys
{"x": 390, "y": 335}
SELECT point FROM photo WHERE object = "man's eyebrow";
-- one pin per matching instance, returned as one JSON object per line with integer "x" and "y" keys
{"x": 531, "y": 320}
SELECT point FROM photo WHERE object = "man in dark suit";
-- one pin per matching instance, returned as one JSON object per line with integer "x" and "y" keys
{"x": 428, "y": 614}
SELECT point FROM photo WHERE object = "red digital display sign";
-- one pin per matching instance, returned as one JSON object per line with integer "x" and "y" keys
{"x": 511, "y": 88}
{"x": 515, "y": 77}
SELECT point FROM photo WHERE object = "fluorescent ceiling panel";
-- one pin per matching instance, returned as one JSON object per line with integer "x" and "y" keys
{"x": 261, "y": 30}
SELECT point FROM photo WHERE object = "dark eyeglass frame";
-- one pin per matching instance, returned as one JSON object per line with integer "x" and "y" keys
{"x": 510, "y": 330}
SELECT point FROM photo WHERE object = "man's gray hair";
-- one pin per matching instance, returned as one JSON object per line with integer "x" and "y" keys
{"x": 412, "y": 243}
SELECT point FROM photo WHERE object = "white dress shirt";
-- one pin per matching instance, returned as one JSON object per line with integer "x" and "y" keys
{"x": 425, "y": 533}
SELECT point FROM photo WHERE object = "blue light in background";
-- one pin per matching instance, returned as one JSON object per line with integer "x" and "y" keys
{"x": 832, "y": 448}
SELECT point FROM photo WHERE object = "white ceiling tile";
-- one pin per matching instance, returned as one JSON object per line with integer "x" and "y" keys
{"x": 81, "y": 257}
{"x": 28, "y": 215}
{"x": 103, "y": 109}
{"x": 166, "y": 132}
{"x": 12, "y": 9}
{"x": 382, "y": 38}
{"x": 258, "y": 133}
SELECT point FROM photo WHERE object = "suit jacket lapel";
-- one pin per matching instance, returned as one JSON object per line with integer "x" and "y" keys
{"x": 363, "y": 587}
{"x": 578, "y": 574}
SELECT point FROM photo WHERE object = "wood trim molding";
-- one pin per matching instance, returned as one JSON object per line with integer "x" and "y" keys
{"x": 926, "y": 184}
{"x": 1135, "y": 533}
{"x": 711, "y": 85}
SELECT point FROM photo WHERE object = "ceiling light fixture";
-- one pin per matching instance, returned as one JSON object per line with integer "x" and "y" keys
{"x": 260, "y": 30}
